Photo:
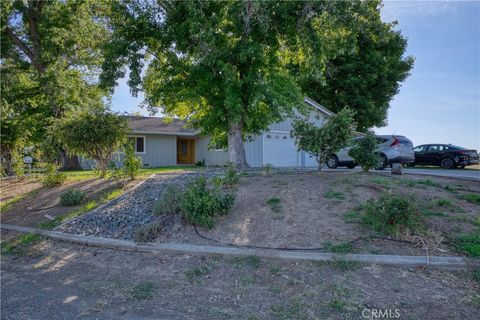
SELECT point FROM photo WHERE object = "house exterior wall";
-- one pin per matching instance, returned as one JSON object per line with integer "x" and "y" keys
{"x": 211, "y": 157}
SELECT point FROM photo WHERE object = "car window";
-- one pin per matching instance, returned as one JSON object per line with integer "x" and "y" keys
{"x": 440, "y": 148}
{"x": 419, "y": 149}
{"x": 432, "y": 148}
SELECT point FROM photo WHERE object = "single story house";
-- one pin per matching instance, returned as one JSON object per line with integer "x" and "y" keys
{"x": 161, "y": 143}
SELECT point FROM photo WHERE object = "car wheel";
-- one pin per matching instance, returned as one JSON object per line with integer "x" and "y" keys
{"x": 351, "y": 166}
{"x": 332, "y": 162}
{"x": 383, "y": 162}
{"x": 447, "y": 163}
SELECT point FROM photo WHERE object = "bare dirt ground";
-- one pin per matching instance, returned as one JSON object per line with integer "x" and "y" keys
{"x": 55, "y": 280}
{"x": 314, "y": 211}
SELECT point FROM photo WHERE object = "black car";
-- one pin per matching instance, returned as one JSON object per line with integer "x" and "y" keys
{"x": 445, "y": 155}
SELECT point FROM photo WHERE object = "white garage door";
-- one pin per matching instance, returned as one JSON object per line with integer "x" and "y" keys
{"x": 280, "y": 150}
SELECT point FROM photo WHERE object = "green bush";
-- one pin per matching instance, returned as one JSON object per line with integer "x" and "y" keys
{"x": 72, "y": 197}
{"x": 169, "y": 202}
{"x": 147, "y": 232}
{"x": 391, "y": 214}
{"x": 267, "y": 169}
{"x": 201, "y": 205}
{"x": 131, "y": 163}
{"x": 231, "y": 177}
{"x": 468, "y": 243}
{"x": 364, "y": 152}
{"x": 53, "y": 177}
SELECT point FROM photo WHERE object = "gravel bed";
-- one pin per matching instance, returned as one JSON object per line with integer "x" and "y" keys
{"x": 120, "y": 217}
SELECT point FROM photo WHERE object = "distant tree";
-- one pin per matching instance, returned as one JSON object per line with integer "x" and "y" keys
{"x": 96, "y": 135}
{"x": 320, "y": 142}
{"x": 365, "y": 151}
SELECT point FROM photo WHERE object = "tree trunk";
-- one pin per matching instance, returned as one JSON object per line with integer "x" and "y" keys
{"x": 69, "y": 162}
{"x": 235, "y": 146}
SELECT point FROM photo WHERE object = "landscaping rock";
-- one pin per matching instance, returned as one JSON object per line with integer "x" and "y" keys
{"x": 120, "y": 217}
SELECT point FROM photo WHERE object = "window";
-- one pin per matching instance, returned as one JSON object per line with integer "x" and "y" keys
{"x": 419, "y": 149}
{"x": 433, "y": 149}
{"x": 284, "y": 137}
{"x": 269, "y": 136}
{"x": 138, "y": 144}
{"x": 277, "y": 137}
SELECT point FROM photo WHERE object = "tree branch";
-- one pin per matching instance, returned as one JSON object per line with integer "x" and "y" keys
{"x": 24, "y": 48}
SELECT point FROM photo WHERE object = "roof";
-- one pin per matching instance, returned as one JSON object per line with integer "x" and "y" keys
{"x": 158, "y": 125}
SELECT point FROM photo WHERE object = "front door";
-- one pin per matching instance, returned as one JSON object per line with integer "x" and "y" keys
{"x": 185, "y": 151}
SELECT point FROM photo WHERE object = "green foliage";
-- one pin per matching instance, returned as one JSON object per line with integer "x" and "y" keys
{"x": 131, "y": 163}
{"x": 19, "y": 244}
{"x": 468, "y": 243}
{"x": 275, "y": 204}
{"x": 231, "y": 175}
{"x": 392, "y": 213}
{"x": 247, "y": 261}
{"x": 169, "y": 202}
{"x": 200, "y": 163}
{"x": 345, "y": 247}
{"x": 142, "y": 291}
{"x": 471, "y": 197}
{"x": 148, "y": 232}
{"x": 95, "y": 135}
{"x": 320, "y": 142}
{"x": 267, "y": 169}
{"x": 364, "y": 151}
{"x": 53, "y": 177}
{"x": 443, "y": 202}
{"x": 113, "y": 172}
{"x": 331, "y": 194}
{"x": 201, "y": 205}
{"x": 72, "y": 197}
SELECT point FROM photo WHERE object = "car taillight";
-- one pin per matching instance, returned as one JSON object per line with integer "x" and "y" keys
{"x": 395, "y": 142}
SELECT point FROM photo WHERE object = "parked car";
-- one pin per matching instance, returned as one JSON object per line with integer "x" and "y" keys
{"x": 445, "y": 155}
{"x": 391, "y": 149}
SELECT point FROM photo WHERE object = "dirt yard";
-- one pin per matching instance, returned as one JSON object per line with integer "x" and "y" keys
{"x": 49, "y": 281}
{"x": 313, "y": 210}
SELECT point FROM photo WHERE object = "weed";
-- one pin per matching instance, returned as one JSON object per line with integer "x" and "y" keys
{"x": 17, "y": 245}
{"x": 148, "y": 232}
{"x": 429, "y": 213}
{"x": 295, "y": 309}
{"x": 408, "y": 182}
{"x": 471, "y": 197}
{"x": 247, "y": 261}
{"x": 331, "y": 194}
{"x": 267, "y": 169}
{"x": 169, "y": 202}
{"x": 345, "y": 247}
{"x": 476, "y": 275}
{"x": 231, "y": 176}
{"x": 275, "y": 204}
{"x": 9, "y": 203}
{"x": 450, "y": 188}
{"x": 340, "y": 264}
{"x": 72, "y": 197}
{"x": 142, "y": 291}
{"x": 352, "y": 216}
{"x": 468, "y": 243}
{"x": 429, "y": 182}
{"x": 194, "y": 274}
{"x": 391, "y": 213}
{"x": 52, "y": 177}
{"x": 381, "y": 180}
{"x": 275, "y": 270}
{"x": 443, "y": 202}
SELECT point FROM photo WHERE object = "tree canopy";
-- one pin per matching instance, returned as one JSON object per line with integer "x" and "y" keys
{"x": 231, "y": 68}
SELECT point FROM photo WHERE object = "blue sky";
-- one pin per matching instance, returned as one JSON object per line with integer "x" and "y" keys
{"x": 440, "y": 101}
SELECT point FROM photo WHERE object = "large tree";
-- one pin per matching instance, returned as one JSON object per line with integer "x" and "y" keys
{"x": 230, "y": 68}
{"x": 56, "y": 45}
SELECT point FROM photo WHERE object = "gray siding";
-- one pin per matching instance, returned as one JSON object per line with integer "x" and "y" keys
{"x": 254, "y": 151}
{"x": 211, "y": 157}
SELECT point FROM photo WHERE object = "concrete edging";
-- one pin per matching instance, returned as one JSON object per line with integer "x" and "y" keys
{"x": 181, "y": 248}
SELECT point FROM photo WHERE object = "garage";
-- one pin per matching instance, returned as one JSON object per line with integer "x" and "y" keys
{"x": 280, "y": 150}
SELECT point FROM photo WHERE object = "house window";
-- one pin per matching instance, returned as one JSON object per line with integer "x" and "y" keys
{"x": 284, "y": 137}
{"x": 277, "y": 137}
{"x": 138, "y": 144}
{"x": 268, "y": 136}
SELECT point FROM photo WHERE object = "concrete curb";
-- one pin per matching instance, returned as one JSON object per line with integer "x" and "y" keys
{"x": 181, "y": 248}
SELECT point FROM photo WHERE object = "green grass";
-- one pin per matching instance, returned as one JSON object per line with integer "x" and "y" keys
{"x": 275, "y": 204}
{"x": 248, "y": 261}
{"x": 194, "y": 274}
{"x": 381, "y": 180}
{"x": 9, "y": 203}
{"x": 82, "y": 210}
{"x": 468, "y": 243}
{"x": 142, "y": 291}
{"x": 331, "y": 194}
{"x": 76, "y": 175}
{"x": 432, "y": 213}
{"x": 471, "y": 197}
{"x": 17, "y": 245}
{"x": 345, "y": 247}
{"x": 429, "y": 182}
{"x": 352, "y": 216}
{"x": 443, "y": 202}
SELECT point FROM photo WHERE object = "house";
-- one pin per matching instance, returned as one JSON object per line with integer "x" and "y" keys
{"x": 161, "y": 143}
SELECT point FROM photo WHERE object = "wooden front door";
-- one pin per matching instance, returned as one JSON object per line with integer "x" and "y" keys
{"x": 185, "y": 151}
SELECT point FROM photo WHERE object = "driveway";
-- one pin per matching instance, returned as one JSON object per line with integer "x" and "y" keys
{"x": 455, "y": 173}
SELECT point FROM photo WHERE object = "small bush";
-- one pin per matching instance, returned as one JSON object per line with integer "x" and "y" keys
{"x": 201, "y": 205}
{"x": 142, "y": 291}
{"x": 147, "y": 232}
{"x": 169, "y": 202}
{"x": 131, "y": 163}
{"x": 364, "y": 152}
{"x": 391, "y": 214}
{"x": 275, "y": 204}
{"x": 471, "y": 197}
{"x": 231, "y": 176}
{"x": 52, "y": 177}
{"x": 200, "y": 163}
{"x": 444, "y": 202}
{"x": 72, "y": 197}
{"x": 468, "y": 243}
{"x": 267, "y": 169}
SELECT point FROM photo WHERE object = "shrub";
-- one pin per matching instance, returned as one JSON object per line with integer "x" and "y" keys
{"x": 131, "y": 163}
{"x": 113, "y": 172}
{"x": 147, "y": 232}
{"x": 53, "y": 177}
{"x": 169, "y": 202}
{"x": 72, "y": 197}
{"x": 231, "y": 176}
{"x": 364, "y": 151}
{"x": 391, "y": 214}
{"x": 471, "y": 197}
{"x": 267, "y": 169}
{"x": 201, "y": 205}
{"x": 468, "y": 243}
{"x": 275, "y": 204}
{"x": 200, "y": 163}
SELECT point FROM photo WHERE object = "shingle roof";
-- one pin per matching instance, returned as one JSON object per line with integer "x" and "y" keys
{"x": 159, "y": 126}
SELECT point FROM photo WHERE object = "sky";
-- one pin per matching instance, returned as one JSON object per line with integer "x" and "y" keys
{"x": 440, "y": 101}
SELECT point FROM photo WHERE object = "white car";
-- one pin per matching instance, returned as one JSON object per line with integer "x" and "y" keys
{"x": 391, "y": 149}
